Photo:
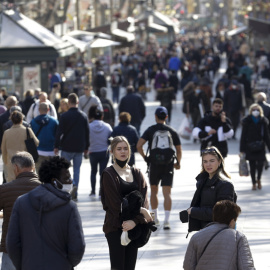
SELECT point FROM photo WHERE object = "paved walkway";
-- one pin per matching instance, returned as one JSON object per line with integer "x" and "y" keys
{"x": 166, "y": 249}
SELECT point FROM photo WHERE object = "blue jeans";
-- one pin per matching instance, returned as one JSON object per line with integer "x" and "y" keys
{"x": 7, "y": 263}
{"x": 96, "y": 158}
{"x": 77, "y": 161}
{"x": 115, "y": 93}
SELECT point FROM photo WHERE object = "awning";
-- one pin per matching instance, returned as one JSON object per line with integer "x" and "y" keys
{"x": 102, "y": 43}
{"x": 81, "y": 45}
{"x": 123, "y": 34}
{"x": 158, "y": 28}
{"x": 237, "y": 31}
{"x": 21, "y": 33}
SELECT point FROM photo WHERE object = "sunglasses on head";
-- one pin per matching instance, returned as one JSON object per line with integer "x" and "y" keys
{"x": 209, "y": 150}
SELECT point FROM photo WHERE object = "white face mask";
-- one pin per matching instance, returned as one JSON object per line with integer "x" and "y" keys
{"x": 67, "y": 187}
{"x": 255, "y": 113}
{"x": 198, "y": 91}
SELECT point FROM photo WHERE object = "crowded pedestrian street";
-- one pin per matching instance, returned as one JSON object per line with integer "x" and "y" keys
{"x": 166, "y": 248}
{"x": 134, "y": 134}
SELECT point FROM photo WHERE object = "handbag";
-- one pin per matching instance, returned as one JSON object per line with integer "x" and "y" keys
{"x": 185, "y": 129}
{"x": 256, "y": 146}
{"x": 31, "y": 146}
{"x": 243, "y": 166}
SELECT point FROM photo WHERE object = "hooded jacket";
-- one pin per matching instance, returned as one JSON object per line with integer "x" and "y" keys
{"x": 228, "y": 250}
{"x": 47, "y": 133}
{"x": 99, "y": 135}
{"x": 45, "y": 231}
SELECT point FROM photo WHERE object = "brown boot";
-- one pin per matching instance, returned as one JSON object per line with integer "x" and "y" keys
{"x": 259, "y": 184}
{"x": 254, "y": 187}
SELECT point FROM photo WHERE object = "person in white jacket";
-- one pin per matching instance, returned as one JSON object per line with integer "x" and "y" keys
{"x": 34, "y": 109}
{"x": 219, "y": 245}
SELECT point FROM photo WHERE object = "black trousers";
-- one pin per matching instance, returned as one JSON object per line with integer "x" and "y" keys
{"x": 256, "y": 166}
{"x": 121, "y": 257}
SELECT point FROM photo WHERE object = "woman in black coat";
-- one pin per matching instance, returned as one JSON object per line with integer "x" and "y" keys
{"x": 211, "y": 188}
{"x": 255, "y": 135}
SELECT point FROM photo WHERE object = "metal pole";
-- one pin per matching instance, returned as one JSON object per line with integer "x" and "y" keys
{"x": 78, "y": 14}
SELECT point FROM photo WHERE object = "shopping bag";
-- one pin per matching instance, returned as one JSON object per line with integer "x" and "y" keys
{"x": 185, "y": 129}
{"x": 243, "y": 166}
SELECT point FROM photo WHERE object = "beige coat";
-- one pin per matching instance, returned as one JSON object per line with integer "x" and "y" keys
{"x": 14, "y": 141}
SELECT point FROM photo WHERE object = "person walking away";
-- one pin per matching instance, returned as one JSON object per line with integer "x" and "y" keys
{"x": 14, "y": 141}
{"x": 233, "y": 104}
{"x": 117, "y": 181}
{"x": 161, "y": 169}
{"x": 87, "y": 100}
{"x": 34, "y": 109}
{"x": 108, "y": 109}
{"x": 166, "y": 95}
{"x": 197, "y": 105}
{"x": 44, "y": 126}
{"x": 134, "y": 105}
{"x": 116, "y": 81}
{"x": 28, "y": 101}
{"x": 63, "y": 107}
{"x": 72, "y": 137}
{"x": 99, "y": 82}
{"x": 46, "y": 224}
{"x": 125, "y": 129}
{"x": 211, "y": 241}
{"x": 9, "y": 123}
{"x": 214, "y": 129}
{"x": 211, "y": 187}
{"x": 173, "y": 81}
{"x": 25, "y": 180}
{"x": 254, "y": 137}
{"x": 4, "y": 117}
{"x": 98, "y": 141}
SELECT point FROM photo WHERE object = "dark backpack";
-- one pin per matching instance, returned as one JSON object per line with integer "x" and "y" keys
{"x": 162, "y": 149}
{"x": 107, "y": 111}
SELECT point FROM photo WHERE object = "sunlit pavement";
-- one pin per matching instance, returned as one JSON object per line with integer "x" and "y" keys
{"x": 166, "y": 249}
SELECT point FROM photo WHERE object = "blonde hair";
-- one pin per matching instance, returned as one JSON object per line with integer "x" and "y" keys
{"x": 62, "y": 101}
{"x": 255, "y": 105}
{"x": 212, "y": 150}
{"x": 115, "y": 141}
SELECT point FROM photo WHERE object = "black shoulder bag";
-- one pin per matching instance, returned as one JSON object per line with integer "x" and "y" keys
{"x": 31, "y": 146}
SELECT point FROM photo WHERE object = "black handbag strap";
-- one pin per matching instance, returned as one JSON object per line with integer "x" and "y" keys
{"x": 211, "y": 240}
{"x": 40, "y": 128}
{"x": 86, "y": 103}
{"x": 27, "y": 134}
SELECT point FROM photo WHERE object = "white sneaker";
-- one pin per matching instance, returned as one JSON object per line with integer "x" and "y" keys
{"x": 124, "y": 239}
{"x": 166, "y": 226}
{"x": 156, "y": 222}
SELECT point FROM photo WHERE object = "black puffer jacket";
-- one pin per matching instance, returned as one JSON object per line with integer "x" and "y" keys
{"x": 252, "y": 132}
{"x": 45, "y": 231}
{"x": 209, "y": 191}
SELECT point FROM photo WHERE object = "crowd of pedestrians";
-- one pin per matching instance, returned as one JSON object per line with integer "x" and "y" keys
{"x": 84, "y": 126}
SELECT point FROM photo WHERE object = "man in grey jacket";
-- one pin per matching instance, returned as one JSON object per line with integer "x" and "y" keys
{"x": 219, "y": 245}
